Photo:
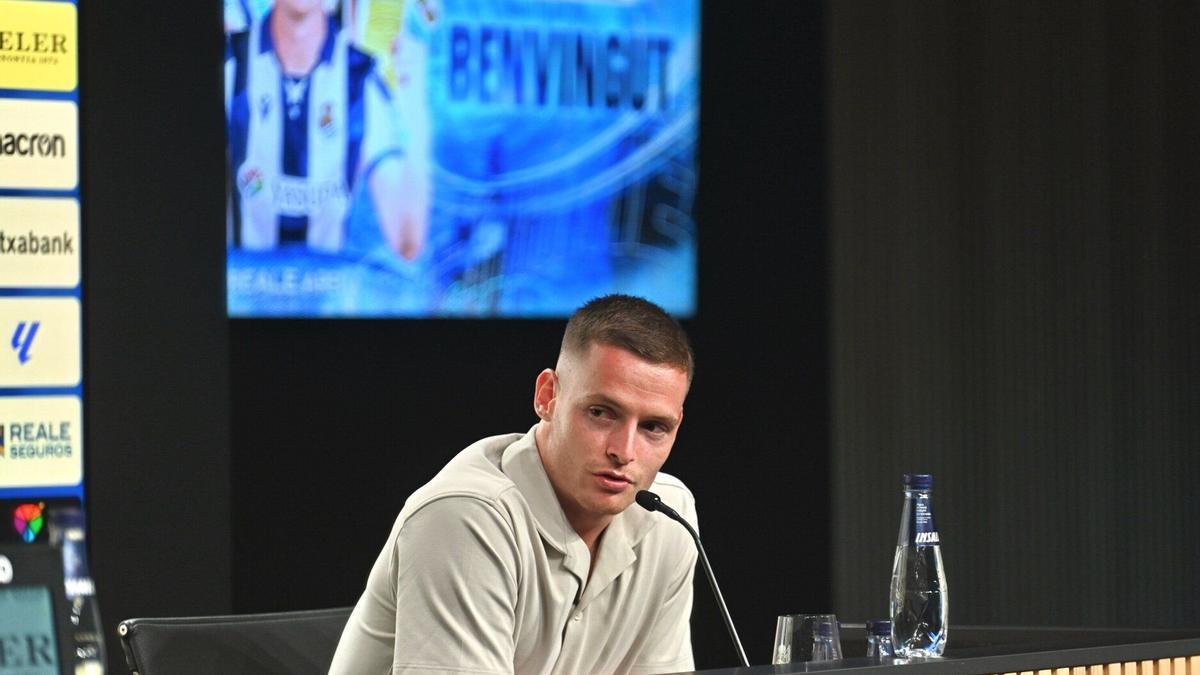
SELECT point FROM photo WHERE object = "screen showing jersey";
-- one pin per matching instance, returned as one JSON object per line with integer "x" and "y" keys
{"x": 418, "y": 158}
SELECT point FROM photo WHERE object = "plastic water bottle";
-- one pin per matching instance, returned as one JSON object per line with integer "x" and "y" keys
{"x": 823, "y": 647}
{"x": 67, "y": 531}
{"x": 879, "y": 638}
{"x": 920, "y": 603}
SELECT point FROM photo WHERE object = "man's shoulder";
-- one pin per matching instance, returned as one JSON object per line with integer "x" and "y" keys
{"x": 676, "y": 495}
{"x": 473, "y": 474}
{"x": 666, "y": 483}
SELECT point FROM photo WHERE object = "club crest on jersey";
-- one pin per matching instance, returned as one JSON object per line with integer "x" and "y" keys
{"x": 326, "y": 120}
{"x": 927, "y": 538}
{"x": 251, "y": 182}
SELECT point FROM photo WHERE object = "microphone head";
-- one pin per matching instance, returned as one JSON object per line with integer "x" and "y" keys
{"x": 648, "y": 500}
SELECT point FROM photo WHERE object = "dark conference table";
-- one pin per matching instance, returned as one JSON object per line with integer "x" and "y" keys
{"x": 988, "y": 650}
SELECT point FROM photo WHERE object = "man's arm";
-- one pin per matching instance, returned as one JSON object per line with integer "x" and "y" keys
{"x": 401, "y": 199}
{"x": 456, "y": 589}
{"x": 440, "y": 598}
{"x": 397, "y": 180}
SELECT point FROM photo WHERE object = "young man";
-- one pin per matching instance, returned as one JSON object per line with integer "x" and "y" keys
{"x": 523, "y": 555}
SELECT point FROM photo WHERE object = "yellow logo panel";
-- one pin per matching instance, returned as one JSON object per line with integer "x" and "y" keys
{"x": 39, "y": 242}
{"x": 39, "y": 144}
{"x": 39, "y": 342}
{"x": 41, "y": 441}
{"x": 38, "y": 45}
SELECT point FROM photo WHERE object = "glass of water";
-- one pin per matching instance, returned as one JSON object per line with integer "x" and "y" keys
{"x": 806, "y": 637}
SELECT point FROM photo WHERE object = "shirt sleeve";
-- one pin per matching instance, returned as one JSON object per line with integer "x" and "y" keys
{"x": 455, "y": 563}
{"x": 382, "y": 133}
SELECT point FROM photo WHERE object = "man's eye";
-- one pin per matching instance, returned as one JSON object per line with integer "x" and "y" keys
{"x": 596, "y": 412}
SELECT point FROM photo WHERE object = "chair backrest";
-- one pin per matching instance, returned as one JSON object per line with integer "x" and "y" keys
{"x": 296, "y": 643}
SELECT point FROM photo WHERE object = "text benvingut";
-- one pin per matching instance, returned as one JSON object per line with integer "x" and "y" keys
{"x": 32, "y": 244}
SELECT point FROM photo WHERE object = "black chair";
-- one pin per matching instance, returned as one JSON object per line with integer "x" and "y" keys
{"x": 291, "y": 643}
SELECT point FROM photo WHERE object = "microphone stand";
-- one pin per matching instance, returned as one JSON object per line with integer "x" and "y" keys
{"x": 652, "y": 502}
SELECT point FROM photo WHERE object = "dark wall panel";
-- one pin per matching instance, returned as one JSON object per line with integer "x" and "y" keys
{"x": 1013, "y": 293}
{"x": 156, "y": 337}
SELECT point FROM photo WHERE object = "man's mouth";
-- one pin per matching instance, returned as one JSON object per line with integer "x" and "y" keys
{"x": 613, "y": 481}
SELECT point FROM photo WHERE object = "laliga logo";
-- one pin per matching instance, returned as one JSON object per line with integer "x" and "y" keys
{"x": 927, "y": 538}
{"x": 22, "y": 339}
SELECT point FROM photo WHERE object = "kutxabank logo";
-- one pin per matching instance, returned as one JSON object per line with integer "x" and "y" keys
{"x": 28, "y": 520}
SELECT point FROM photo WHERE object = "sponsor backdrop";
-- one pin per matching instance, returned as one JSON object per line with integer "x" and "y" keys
{"x": 461, "y": 157}
{"x": 41, "y": 388}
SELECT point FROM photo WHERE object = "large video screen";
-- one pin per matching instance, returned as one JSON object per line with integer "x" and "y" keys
{"x": 459, "y": 158}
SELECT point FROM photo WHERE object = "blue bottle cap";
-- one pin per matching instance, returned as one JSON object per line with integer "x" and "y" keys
{"x": 879, "y": 627}
{"x": 918, "y": 481}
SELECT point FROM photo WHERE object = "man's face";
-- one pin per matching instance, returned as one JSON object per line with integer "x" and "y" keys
{"x": 609, "y": 420}
{"x": 300, "y": 7}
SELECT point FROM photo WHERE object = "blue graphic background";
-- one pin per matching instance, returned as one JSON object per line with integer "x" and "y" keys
{"x": 540, "y": 199}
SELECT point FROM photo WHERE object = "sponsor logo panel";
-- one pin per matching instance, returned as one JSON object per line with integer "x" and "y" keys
{"x": 42, "y": 442}
{"x": 38, "y": 45}
{"x": 39, "y": 342}
{"x": 39, "y": 242}
{"x": 31, "y": 520}
{"x": 39, "y": 144}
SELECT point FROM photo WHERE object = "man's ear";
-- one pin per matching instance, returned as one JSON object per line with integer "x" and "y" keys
{"x": 545, "y": 390}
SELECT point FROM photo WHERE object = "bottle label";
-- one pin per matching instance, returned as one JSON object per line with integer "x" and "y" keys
{"x": 924, "y": 532}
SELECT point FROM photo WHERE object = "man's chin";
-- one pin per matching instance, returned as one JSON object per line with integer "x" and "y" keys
{"x": 614, "y": 504}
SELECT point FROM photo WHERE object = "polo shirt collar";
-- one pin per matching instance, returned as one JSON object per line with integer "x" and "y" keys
{"x": 523, "y": 466}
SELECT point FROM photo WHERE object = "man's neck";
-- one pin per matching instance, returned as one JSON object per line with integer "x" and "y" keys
{"x": 298, "y": 40}
{"x": 590, "y": 532}
{"x": 589, "y": 528}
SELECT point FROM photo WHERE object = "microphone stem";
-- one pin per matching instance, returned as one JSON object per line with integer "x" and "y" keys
{"x": 712, "y": 581}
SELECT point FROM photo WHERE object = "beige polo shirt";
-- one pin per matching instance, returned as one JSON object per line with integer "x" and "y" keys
{"x": 483, "y": 574}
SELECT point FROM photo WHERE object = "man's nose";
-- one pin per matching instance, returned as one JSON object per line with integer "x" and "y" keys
{"x": 622, "y": 444}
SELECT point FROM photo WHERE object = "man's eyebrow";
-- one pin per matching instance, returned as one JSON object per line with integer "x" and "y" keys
{"x": 604, "y": 400}
{"x": 601, "y": 399}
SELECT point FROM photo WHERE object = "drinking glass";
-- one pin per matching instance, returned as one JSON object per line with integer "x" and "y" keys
{"x": 806, "y": 637}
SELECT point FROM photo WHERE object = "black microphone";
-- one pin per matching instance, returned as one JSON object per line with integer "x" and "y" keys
{"x": 652, "y": 502}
